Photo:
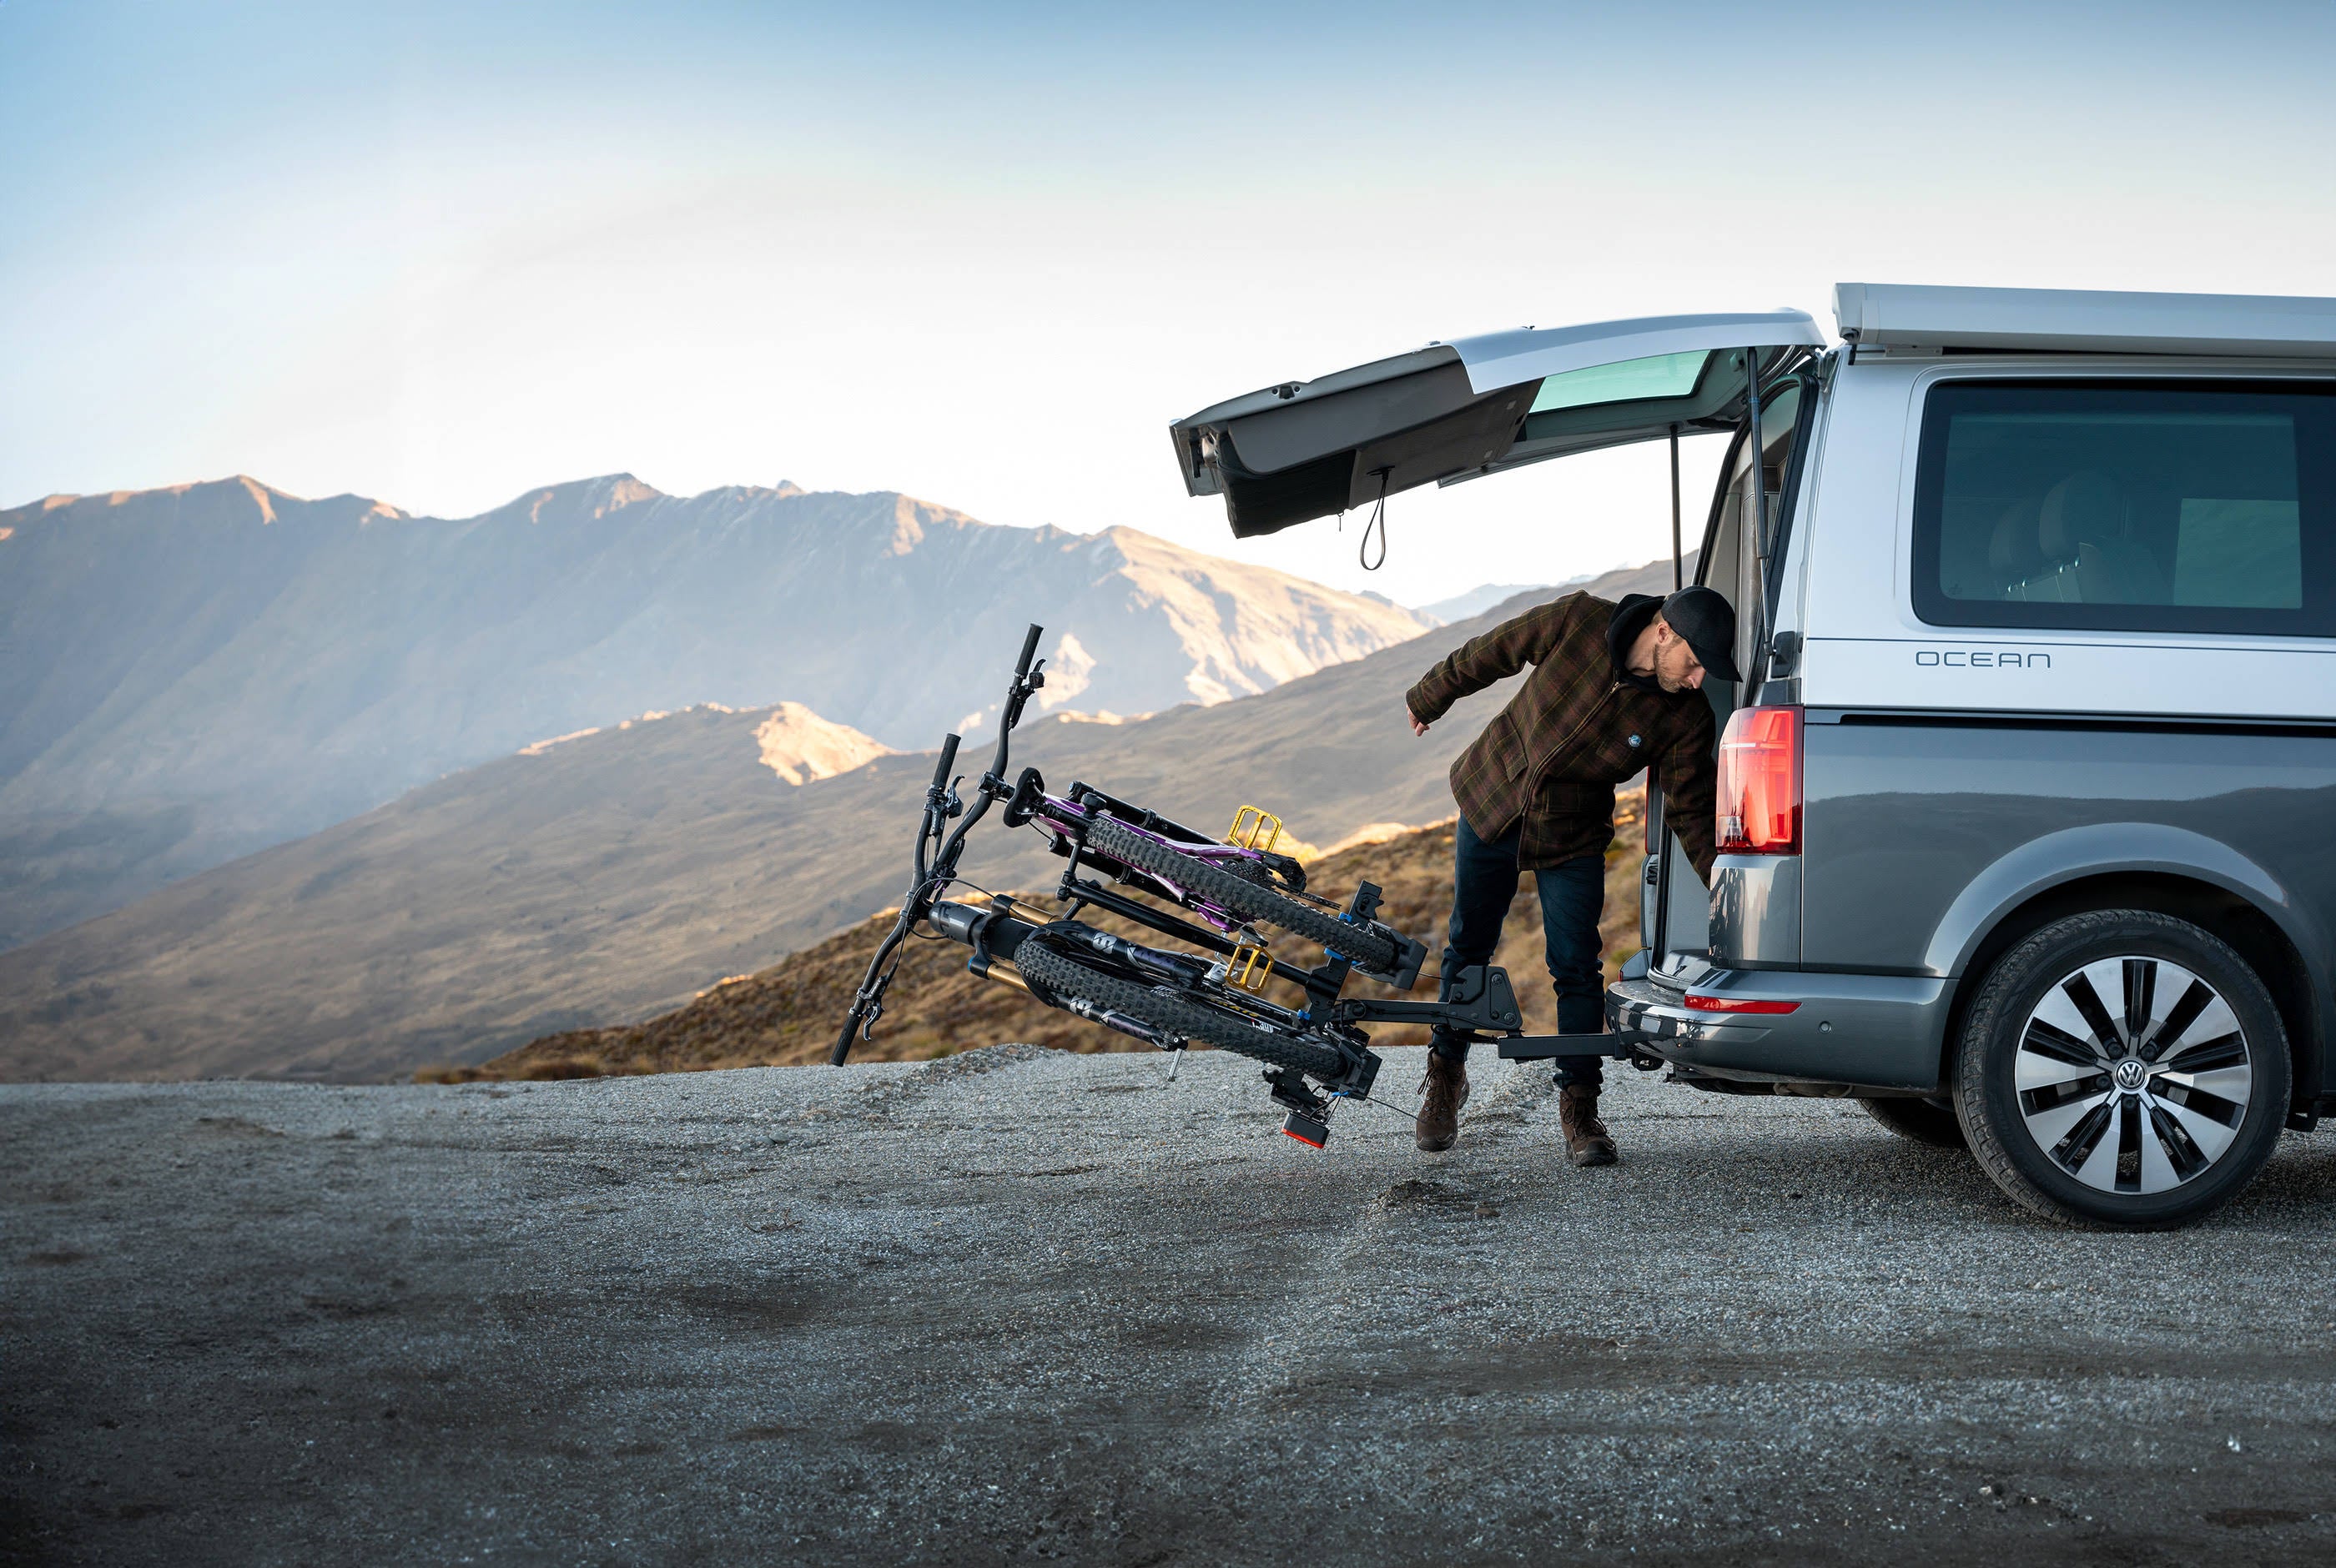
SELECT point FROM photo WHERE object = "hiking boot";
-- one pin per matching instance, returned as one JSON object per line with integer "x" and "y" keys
{"x": 1446, "y": 1088}
{"x": 1586, "y": 1141}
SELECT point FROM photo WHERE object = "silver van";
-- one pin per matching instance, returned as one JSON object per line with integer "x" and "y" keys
{"x": 2028, "y": 797}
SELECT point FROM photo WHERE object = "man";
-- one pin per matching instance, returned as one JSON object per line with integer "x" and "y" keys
{"x": 1613, "y": 689}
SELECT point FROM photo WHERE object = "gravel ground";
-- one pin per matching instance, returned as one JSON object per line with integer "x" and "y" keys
{"x": 1016, "y": 1305}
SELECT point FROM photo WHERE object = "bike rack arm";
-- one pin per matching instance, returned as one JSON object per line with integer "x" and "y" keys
{"x": 1482, "y": 1003}
{"x": 1542, "y": 1047}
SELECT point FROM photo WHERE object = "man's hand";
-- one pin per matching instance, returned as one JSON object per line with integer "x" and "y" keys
{"x": 1416, "y": 727}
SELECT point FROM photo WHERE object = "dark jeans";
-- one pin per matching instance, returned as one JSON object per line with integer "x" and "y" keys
{"x": 1572, "y": 892}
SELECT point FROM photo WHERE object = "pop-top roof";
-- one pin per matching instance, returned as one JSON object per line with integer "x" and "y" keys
{"x": 1923, "y": 316}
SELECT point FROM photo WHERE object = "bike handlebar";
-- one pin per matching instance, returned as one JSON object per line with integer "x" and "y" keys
{"x": 936, "y": 873}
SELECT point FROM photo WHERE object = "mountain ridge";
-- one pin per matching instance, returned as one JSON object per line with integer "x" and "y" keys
{"x": 200, "y": 671}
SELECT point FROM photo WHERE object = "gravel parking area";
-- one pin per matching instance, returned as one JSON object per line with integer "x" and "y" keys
{"x": 1021, "y": 1305}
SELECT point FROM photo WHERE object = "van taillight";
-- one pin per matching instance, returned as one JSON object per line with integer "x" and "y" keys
{"x": 1704, "y": 1001}
{"x": 1759, "y": 794}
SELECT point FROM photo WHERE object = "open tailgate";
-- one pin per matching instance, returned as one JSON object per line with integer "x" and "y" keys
{"x": 1452, "y": 410}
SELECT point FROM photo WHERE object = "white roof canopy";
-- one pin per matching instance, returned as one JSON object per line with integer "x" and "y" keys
{"x": 1923, "y": 317}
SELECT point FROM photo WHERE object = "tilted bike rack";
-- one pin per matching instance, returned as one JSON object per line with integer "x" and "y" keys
{"x": 1481, "y": 1003}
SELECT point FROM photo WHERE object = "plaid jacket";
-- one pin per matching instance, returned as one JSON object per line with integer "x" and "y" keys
{"x": 1575, "y": 729}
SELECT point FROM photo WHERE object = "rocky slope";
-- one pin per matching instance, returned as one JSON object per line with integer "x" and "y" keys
{"x": 613, "y": 876}
{"x": 199, "y": 672}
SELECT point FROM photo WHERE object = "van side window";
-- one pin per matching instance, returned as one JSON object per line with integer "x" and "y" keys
{"x": 2128, "y": 506}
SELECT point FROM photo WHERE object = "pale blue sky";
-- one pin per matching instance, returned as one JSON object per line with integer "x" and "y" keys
{"x": 439, "y": 254}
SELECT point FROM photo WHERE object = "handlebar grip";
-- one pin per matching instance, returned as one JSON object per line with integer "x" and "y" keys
{"x": 947, "y": 761}
{"x": 1029, "y": 650}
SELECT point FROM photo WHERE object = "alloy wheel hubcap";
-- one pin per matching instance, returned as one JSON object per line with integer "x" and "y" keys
{"x": 2133, "y": 1075}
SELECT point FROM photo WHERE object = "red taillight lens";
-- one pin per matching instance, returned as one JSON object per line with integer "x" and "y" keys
{"x": 1702, "y": 1001}
{"x": 1759, "y": 795}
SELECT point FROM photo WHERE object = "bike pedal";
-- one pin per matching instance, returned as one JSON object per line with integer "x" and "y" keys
{"x": 1311, "y": 1131}
{"x": 1250, "y": 965}
{"x": 1255, "y": 827}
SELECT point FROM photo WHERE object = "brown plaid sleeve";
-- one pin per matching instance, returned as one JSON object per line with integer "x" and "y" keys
{"x": 1688, "y": 783}
{"x": 1496, "y": 655}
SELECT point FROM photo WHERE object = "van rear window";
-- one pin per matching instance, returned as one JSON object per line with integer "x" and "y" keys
{"x": 2131, "y": 506}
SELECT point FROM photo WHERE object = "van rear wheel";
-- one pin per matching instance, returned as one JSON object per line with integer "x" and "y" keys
{"x": 2122, "y": 1069}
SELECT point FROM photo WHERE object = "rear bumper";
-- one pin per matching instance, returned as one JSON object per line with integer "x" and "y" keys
{"x": 1867, "y": 1030}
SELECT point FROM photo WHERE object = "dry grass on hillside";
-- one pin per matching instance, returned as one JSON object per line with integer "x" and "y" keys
{"x": 787, "y": 1014}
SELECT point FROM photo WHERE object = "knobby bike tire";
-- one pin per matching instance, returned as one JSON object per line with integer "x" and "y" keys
{"x": 1178, "y": 1015}
{"x": 1242, "y": 896}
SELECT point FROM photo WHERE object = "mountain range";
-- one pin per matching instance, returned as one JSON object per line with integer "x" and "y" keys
{"x": 194, "y": 673}
{"x": 612, "y": 875}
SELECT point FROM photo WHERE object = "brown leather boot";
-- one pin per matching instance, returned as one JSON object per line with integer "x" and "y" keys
{"x": 1446, "y": 1087}
{"x": 1586, "y": 1140}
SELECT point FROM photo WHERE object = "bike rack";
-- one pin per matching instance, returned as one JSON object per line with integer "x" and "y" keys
{"x": 1480, "y": 1000}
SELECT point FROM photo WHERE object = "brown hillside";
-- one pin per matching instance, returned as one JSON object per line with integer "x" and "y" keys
{"x": 614, "y": 876}
{"x": 787, "y": 1014}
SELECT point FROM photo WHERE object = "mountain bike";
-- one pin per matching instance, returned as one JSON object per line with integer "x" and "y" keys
{"x": 1222, "y": 893}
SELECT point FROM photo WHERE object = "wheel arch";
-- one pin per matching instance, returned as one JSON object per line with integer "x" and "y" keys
{"x": 2146, "y": 866}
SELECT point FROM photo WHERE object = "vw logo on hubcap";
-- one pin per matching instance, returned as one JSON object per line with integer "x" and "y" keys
{"x": 2115, "y": 1120}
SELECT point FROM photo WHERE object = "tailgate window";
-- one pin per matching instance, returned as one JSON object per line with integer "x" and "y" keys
{"x": 2128, "y": 507}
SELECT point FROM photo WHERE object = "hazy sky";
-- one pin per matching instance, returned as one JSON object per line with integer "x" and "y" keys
{"x": 439, "y": 254}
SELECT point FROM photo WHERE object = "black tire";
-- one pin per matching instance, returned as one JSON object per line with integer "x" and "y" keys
{"x": 1369, "y": 949}
{"x": 2169, "y": 1150}
{"x": 1188, "y": 1016}
{"x": 1924, "y": 1121}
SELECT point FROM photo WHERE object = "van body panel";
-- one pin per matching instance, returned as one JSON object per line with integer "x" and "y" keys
{"x": 1756, "y": 911}
{"x": 1964, "y": 669}
{"x": 1868, "y": 1030}
{"x": 1923, "y": 832}
{"x": 2105, "y": 848}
